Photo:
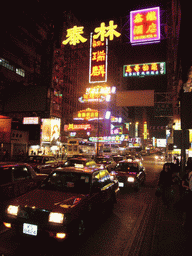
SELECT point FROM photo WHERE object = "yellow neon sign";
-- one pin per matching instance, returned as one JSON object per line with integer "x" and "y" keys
{"x": 74, "y": 36}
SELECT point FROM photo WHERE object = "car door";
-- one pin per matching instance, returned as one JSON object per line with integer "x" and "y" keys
{"x": 23, "y": 181}
{"x": 6, "y": 184}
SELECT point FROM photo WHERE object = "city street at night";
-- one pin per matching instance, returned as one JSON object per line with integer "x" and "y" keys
{"x": 130, "y": 230}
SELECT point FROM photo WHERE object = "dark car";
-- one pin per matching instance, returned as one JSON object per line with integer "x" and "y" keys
{"x": 17, "y": 179}
{"x": 79, "y": 162}
{"x": 105, "y": 162}
{"x": 64, "y": 204}
{"x": 130, "y": 174}
{"x": 42, "y": 163}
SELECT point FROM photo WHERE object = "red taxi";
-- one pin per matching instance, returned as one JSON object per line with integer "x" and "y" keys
{"x": 63, "y": 203}
{"x": 130, "y": 174}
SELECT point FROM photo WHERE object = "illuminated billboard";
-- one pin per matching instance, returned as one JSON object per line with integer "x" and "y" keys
{"x": 98, "y": 60}
{"x": 97, "y": 94}
{"x": 144, "y": 69}
{"x": 145, "y": 26}
{"x": 50, "y": 130}
{"x": 76, "y": 127}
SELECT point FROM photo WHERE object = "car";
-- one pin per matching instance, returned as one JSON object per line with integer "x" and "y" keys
{"x": 17, "y": 179}
{"x": 42, "y": 163}
{"x": 79, "y": 162}
{"x": 118, "y": 158}
{"x": 159, "y": 156}
{"x": 105, "y": 162}
{"x": 130, "y": 174}
{"x": 65, "y": 204}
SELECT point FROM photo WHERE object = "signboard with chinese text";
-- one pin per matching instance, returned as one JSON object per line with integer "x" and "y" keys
{"x": 31, "y": 120}
{"x": 145, "y": 25}
{"x": 76, "y": 127}
{"x": 98, "y": 60}
{"x": 86, "y": 114}
{"x": 97, "y": 94}
{"x": 112, "y": 139}
{"x": 144, "y": 69}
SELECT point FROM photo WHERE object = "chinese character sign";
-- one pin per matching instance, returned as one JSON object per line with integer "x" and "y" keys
{"x": 144, "y": 69}
{"x": 145, "y": 25}
{"x": 74, "y": 36}
{"x": 98, "y": 60}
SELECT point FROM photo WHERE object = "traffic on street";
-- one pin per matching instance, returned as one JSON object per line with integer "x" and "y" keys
{"x": 110, "y": 234}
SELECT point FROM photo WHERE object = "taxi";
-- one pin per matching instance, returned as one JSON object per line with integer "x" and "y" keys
{"x": 64, "y": 204}
{"x": 130, "y": 174}
{"x": 42, "y": 163}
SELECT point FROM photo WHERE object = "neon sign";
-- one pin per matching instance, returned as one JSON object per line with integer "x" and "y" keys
{"x": 76, "y": 127}
{"x": 145, "y": 25}
{"x": 113, "y": 139}
{"x": 74, "y": 36}
{"x": 87, "y": 114}
{"x": 97, "y": 94}
{"x": 144, "y": 69}
{"x": 104, "y": 31}
{"x": 98, "y": 60}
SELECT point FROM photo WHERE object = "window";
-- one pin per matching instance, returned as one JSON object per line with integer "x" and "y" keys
{"x": 5, "y": 63}
{"x": 20, "y": 173}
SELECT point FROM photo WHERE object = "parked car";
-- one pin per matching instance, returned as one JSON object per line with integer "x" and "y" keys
{"x": 42, "y": 163}
{"x": 130, "y": 174}
{"x": 66, "y": 202}
{"x": 79, "y": 162}
{"x": 105, "y": 162}
{"x": 17, "y": 179}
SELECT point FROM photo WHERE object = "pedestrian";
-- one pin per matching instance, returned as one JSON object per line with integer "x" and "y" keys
{"x": 185, "y": 194}
{"x": 165, "y": 183}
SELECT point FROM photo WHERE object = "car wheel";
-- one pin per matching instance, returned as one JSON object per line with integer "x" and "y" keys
{"x": 81, "y": 227}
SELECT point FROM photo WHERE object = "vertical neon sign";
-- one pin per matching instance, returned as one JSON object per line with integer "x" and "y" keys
{"x": 98, "y": 60}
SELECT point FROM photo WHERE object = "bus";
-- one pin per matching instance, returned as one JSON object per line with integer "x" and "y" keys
{"x": 78, "y": 147}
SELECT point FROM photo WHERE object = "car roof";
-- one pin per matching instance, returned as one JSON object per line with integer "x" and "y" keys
{"x": 79, "y": 158}
{"x": 127, "y": 161}
{"x": 11, "y": 164}
{"x": 88, "y": 170}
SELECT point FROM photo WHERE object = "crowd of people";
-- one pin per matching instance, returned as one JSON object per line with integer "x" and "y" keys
{"x": 171, "y": 175}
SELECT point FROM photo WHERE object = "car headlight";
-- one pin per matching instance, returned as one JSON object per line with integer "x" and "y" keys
{"x": 12, "y": 210}
{"x": 156, "y": 157}
{"x": 130, "y": 179}
{"x": 56, "y": 217}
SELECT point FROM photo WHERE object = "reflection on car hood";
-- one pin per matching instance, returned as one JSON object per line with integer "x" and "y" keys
{"x": 48, "y": 199}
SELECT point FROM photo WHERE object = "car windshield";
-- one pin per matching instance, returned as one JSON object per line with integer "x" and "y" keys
{"x": 72, "y": 182}
{"x": 75, "y": 163}
{"x": 127, "y": 167}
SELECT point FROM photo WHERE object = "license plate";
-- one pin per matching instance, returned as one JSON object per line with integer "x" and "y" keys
{"x": 29, "y": 229}
{"x": 121, "y": 184}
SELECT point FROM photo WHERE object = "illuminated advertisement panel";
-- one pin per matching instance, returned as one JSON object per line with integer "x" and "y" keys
{"x": 145, "y": 25}
{"x": 98, "y": 60}
{"x": 144, "y": 69}
{"x": 76, "y": 127}
{"x": 50, "y": 130}
{"x": 97, "y": 94}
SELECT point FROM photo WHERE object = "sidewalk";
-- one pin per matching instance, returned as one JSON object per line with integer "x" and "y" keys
{"x": 165, "y": 234}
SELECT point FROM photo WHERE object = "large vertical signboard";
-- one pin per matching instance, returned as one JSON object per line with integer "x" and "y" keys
{"x": 98, "y": 60}
{"x": 145, "y": 26}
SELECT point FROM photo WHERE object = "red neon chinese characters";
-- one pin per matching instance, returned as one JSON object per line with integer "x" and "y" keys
{"x": 145, "y": 25}
{"x": 98, "y": 70}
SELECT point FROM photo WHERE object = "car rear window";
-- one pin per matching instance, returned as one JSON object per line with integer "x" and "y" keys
{"x": 68, "y": 182}
{"x": 5, "y": 175}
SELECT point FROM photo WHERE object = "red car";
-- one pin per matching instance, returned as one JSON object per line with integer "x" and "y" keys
{"x": 62, "y": 205}
{"x": 130, "y": 174}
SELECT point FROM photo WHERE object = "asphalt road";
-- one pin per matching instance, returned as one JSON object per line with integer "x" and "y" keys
{"x": 112, "y": 235}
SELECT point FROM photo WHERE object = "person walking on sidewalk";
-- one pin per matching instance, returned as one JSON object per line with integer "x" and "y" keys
{"x": 165, "y": 182}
